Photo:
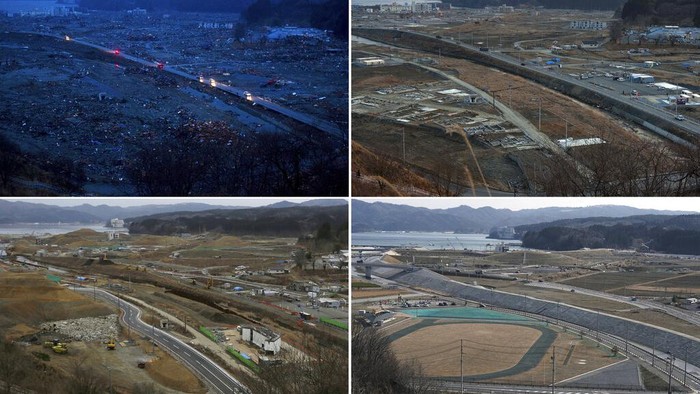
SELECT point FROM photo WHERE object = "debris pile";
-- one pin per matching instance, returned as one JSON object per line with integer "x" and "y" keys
{"x": 86, "y": 328}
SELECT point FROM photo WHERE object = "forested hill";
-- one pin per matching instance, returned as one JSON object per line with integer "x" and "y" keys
{"x": 666, "y": 234}
{"x": 558, "y": 4}
{"x": 294, "y": 222}
{"x": 662, "y": 12}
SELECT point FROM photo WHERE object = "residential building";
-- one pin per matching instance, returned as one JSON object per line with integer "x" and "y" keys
{"x": 266, "y": 339}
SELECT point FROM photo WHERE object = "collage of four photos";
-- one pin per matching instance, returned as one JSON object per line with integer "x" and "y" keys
{"x": 349, "y": 196}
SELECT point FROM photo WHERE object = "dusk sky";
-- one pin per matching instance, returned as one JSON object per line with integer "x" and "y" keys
{"x": 131, "y": 202}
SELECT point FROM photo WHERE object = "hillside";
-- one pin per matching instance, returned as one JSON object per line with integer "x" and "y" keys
{"x": 667, "y": 234}
{"x": 294, "y": 221}
{"x": 662, "y": 12}
{"x": 392, "y": 217}
{"x": 26, "y": 212}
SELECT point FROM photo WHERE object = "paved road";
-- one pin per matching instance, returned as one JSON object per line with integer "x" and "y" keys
{"x": 497, "y": 389}
{"x": 688, "y": 316}
{"x": 213, "y": 374}
{"x": 320, "y": 124}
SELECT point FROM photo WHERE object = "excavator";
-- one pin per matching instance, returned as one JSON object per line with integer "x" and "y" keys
{"x": 111, "y": 345}
{"x": 56, "y": 346}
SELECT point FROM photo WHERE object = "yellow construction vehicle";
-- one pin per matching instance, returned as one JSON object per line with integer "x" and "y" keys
{"x": 210, "y": 282}
{"x": 60, "y": 348}
{"x": 111, "y": 345}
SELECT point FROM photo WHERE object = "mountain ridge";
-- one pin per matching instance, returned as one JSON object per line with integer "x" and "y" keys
{"x": 381, "y": 216}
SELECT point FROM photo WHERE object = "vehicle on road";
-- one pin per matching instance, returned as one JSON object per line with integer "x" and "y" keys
{"x": 680, "y": 117}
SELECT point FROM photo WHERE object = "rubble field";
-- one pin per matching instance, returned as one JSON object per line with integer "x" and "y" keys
{"x": 98, "y": 109}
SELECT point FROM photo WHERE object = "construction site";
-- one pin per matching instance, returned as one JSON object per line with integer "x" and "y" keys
{"x": 70, "y": 301}
{"x": 434, "y": 83}
{"x": 111, "y": 85}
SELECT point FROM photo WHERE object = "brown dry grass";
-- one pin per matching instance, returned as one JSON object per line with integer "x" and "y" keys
{"x": 437, "y": 348}
{"x": 170, "y": 373}
{"x": 585, "y": 357}
{"x": 30, "y": 299}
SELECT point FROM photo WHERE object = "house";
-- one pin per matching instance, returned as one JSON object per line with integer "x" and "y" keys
{"x": 264, "y": 338}
{"x": 371, "y": 61}
{"x": 306, "y": 286}
{"x": 588, "y": 44}
{"x": 642, "y": 78}
{"x": 380, "y": 317}
{"x": 329, "y": 302}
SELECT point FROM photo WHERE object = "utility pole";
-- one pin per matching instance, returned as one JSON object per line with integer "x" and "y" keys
{"x": 685, "y": 365}
{"x": 539, "y": 117}
{"x": 403, "y": 143}
{"x": 554, "y": 362}
{"x": 461, "y": 366}
{"x": 653, "y": 349}
{"x": 670, "y": 369}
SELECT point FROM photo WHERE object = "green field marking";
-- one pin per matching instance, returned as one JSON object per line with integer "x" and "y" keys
{"x": 245, "y": 361}
{"x": 53, "y": 278}
{"x": 207, "y": 333}
{"x": 333, "y": 323}
{"x": 465, "y": 313}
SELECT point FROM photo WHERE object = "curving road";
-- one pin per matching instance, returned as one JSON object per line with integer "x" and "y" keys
{"x": 210, "y": 372}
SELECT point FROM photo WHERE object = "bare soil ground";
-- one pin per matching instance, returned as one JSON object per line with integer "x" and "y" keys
{"x": 29, "y": 299}
{"x": 172, "y": 374}
{"x": 437, "y": 347}
{"x": 574, "y": 357}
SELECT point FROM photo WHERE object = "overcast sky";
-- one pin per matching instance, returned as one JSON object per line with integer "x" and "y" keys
{"x": 519, "y": 203}
{"x": 137, "y": 201}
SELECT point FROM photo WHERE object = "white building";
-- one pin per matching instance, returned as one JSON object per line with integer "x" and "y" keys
{"x": 264, "y": 338}
{"x": 413, "y": 7}
{"x": 588, "y": 25}
{"x": 329, "y": 302}
{"x": 371, "y": 61}
{"x": 116, "y": 223}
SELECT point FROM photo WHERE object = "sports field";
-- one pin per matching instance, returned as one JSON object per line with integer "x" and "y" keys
{"x": 493, "y": 346}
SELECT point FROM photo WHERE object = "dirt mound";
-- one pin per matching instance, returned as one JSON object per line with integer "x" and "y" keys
{"x": 78, "y": 236}
{"x": 168, "y": 372}
{"x": 31, "y": 299}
